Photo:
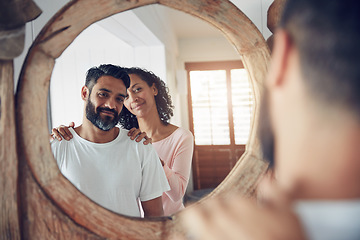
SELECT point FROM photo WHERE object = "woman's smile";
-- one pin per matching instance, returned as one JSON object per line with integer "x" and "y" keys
{"x": 136, "y": 106}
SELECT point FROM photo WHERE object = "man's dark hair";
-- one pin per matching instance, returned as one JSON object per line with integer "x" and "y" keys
{"x": 162, "y": 99}
{"x": 94, "y": 73}
{"x": 327, "y": 35}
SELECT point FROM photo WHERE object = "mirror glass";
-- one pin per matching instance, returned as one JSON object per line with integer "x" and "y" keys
{"x": 169, "y": 43}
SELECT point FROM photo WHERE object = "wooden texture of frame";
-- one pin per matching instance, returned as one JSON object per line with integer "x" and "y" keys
{"x": 51, "y": 207}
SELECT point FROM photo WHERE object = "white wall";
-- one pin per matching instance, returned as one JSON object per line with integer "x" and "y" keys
{"x": 256, "y": 11}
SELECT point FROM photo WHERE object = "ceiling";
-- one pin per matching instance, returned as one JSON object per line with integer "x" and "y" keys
{"x": 187, "y": 26}
{"x": 149, "y": 25}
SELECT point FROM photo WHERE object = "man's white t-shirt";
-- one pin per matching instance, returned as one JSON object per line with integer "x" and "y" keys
{"x": 114, "y": 174}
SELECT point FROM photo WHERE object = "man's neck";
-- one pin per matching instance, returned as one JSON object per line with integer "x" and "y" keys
{"x": 91, "y": 133}
{"x": 329, "y": 161}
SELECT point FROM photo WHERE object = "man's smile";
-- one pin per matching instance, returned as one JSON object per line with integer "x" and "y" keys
{"x": 108, "y": 112}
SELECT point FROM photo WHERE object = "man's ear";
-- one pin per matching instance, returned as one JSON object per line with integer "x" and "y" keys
{"x": 85, "y": 93}
{"x": 279, "y": 58}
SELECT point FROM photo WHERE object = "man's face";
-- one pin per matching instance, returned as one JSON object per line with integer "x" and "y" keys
{"x": 105, "y": 102}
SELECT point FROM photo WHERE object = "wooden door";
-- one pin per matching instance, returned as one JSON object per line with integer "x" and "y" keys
{"x": 220, "y": 105}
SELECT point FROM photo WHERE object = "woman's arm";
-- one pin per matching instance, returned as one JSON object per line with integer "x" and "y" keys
{"x": 178, "y": 176}
{"x": 62, "y": 132}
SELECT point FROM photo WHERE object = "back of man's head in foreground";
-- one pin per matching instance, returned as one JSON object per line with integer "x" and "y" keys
{"x": 327, "y": 37}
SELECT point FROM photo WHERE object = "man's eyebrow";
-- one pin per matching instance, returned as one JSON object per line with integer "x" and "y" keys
{"x": 122, "y": 95}
{"x": 107, "y": 90}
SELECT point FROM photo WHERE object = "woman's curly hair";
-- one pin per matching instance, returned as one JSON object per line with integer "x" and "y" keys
{"x": 163, "y": 99}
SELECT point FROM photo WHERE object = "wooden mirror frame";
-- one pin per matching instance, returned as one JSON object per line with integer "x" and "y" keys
{"x": 31, "y": 100}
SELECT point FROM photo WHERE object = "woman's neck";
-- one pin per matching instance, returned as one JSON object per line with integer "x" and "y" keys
{"x": 150, "y": 125}
{"x": 155, "y": 128}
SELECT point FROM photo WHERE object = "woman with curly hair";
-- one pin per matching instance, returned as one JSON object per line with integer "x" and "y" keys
{"x": 148, "y": 109}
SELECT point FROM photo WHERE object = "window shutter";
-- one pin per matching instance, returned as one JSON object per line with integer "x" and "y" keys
{"x": 242, "y": 101}
{"x": 210, "y": 106}
{"x": 209, "y": 103}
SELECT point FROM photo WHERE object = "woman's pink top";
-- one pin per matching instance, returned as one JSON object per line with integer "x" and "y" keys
{"x": 176, "y": 151}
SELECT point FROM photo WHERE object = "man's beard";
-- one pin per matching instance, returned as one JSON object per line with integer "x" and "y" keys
{"x": 266, "y": 133}
{"x": 103, "y": 123}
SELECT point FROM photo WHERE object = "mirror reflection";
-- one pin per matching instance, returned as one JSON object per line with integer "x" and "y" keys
{"x": 209, "y": 90}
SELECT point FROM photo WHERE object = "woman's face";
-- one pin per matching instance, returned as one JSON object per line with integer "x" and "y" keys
{"x": 141, "y": 98}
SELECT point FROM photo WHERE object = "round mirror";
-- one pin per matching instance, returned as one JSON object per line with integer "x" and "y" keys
{"x": 62, "y": 29}
{"x": 171, "y": 44}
